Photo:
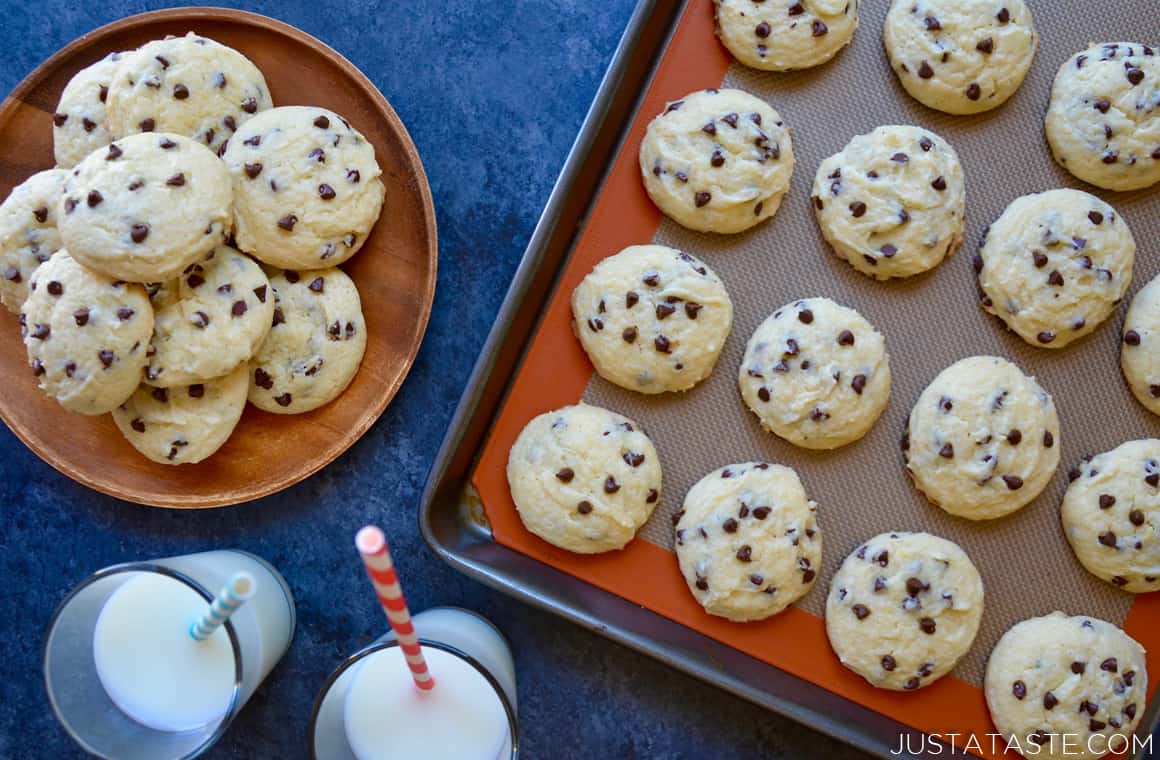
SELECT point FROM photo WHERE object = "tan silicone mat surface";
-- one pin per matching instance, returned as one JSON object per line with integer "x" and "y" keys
{"x": 929, "y": 322}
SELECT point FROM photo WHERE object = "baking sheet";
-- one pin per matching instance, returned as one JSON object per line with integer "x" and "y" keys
{"x": 929, "y": 322}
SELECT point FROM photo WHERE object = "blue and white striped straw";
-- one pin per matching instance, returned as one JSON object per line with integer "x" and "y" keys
{"x": 234, "y": 595}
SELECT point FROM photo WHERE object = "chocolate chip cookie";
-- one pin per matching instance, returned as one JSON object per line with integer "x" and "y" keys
{"x": 307, "y": 187}
{"x": 146, "y": 207}
{"x": 584, "y": 478}
{"x": 983, "y": 439}
{"x": 28, "y": 234}
{"x": 816, "y": 374}
{"x": 190, "y": 86}
{"x": 315, "y": 344}
{"x": 1140, "y": 347}
{"x": 183, "y": 424}
{"x": 79, "y": 124}
{"x": 86, "y": 334}
{"x": 747, "y": 540}
{"x": 782, "y": 35}
{"x": 209, "y": 320}
{"x": 652, "y": 319}
{"x": 903, "y": 609}
{"x": 717, "y": 160}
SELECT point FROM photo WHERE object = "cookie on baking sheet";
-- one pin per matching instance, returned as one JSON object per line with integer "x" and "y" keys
{"x": 145, "y": 207}
{"x": 717, "y": 160}
{"x": 816, "y": 374}
{"x": 1073, "y": 686}
{"x": 1055, "y": 265}
{"x": 584, "y": 478}
{"x": 1140, "y": 352}
{"x": 315, "y": 345}
{"x": 652, "y": 319}
{"x": 983, "y": 439}
{"x": 747, "y": 540}
{"x": 903, "y": 609}
{"x": 28, "y": 234}
{"x": 306, "y": 185}
{"x": 1111, "y": 513}
{"x": 1103, "y": 123}
{"x": 190, "y": 86}
{"x": 891, "y": 203}
{"x": 782, "y": 35}
{"x": 183, "y": 424}
{"x": 78, "y": 123}
{"x": 209, "y": 320}
{"x": 86, "y": 334}
{"x": 960, "y": 56}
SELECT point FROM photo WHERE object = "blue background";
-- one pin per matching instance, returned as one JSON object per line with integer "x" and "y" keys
{"x": 493, "y": 94}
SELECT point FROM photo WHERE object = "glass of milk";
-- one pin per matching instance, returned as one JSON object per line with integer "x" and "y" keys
{"x": 369, "y": 708}
{"x": 126, "y": 678}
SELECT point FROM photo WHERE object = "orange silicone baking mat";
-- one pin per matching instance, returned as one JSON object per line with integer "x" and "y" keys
{"x": 929, "y": 322}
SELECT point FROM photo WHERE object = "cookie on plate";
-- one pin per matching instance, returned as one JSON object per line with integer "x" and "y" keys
{"x": 28, "y": 234}
{"x": 190, "y": 86}
{"x": 782, "y": 35}
{"x": 209, "y": 320}
{"x": 816, "y": 374}
{"x": 983, "y": 439}
{"x": 584, "y": 478}
{"x": 183, "y": 424}
{"x": 747, "y": 540}
{"x": 79, "y": 125}
{"x": 652, "y": 319}
{"x": 1055, "y": 265}
{"x": 891, "y": 203}
{"x": 86, "y": 334}
{"x": 1110, "y": 514}
{"x": 1140, "y": 352}
{"x": 145, "y": 207}
{"x": 306, "y": 185}
{"x": 960, "y": 56}
{"x": 717, "y": 160}
{"x": 315, "y": 345}
{"x": 903, "y": 609}
{"x": 1057, "y": 679}
{"x": 1103, "y": 124}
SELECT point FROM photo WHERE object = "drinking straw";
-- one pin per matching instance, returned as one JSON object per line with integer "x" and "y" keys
{"x": 236, "y": 592}
{"x": 372, "y": 546}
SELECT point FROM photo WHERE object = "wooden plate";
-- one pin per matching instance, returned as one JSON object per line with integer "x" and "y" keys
{"x": 394, "y": 271}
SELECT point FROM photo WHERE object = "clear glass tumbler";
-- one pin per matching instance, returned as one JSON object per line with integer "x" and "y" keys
{"x": 259, "y": 634}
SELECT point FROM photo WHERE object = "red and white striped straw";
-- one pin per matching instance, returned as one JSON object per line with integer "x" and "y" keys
{"x": 372, "y": 546}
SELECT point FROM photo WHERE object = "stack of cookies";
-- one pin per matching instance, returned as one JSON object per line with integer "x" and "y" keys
{"x": 182, "y": 257}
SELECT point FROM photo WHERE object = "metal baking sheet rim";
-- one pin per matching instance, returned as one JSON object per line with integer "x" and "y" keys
{"x": 452, "y": 520}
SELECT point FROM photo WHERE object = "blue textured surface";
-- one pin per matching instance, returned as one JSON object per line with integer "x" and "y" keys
{"x": 493, "y": 94}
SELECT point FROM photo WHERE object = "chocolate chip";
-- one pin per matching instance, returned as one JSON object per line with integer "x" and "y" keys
{"x": 1135, "y": 76}
{"x": 610, "y": 485}
{"x": 692, "y": 309}
{"x": 1048, "y": 439}
{"x": 760, "y": 513}
{"x": 180, "y": 91}
{"x": 200, "y": 320}
{"x": 326, "y": 192}
{"x": 947, "y": 451}
{"x": 1078, "y": 667}
{"x": 250, "y": 105}
{"x": 986, "y": 45}
{"x": 1055, "y": 278}
{"x": 1049, "y": 700}
{"x": 745, "y": 554}
{"x": 1003, "y": 15}
{"x": 653, "y": 494}
{"x": 927, "y": 625}
{"x": 284, "y": 400}
{"x": 1137, "y": 517}
{"x": 287, "y": 222}
{"x": 1014, "y": 437}
{"x": 94, "y": 199}
{"x": 59, "y": 119}
{"x": 147, "y": 125}
{"x": 318, "y": 155}
{"x": 925, "y": 71}
{"x": 55, "y": 288}
{"x": 1108, "y": 539}
{"x": 1109, "y": 665}
{"x": 818, "y": 28}
{"x": 629, "y": 334}
{"x": 317, "y": 284}
{"x": 762, "y": 30}
{"x": 663, "y": 310}
{"x": 974, "y": 92}
{"x": 1107, "y": 501}
{"x": 1046, "y": 336}
{"x": 662, "y": 344}
{"x": 1019, "y": 689}
{"x": 805, "y": 316}
{"x": 889, "y": 250}
{"x": 858, "y": 383}
{"x": 352, "y": 176}
{"x": 845, "y": 338}
{"x": 889, "y": 663}
{"x": 858, "y": 209}
{"x": 932, "y": 24}
{"x": 701, "y": 198}
{"x": 860, "y": 611}
{"x": 138, "y": 232}
{"x": 729, "y": 526}
{"x": 1014, "y": 482}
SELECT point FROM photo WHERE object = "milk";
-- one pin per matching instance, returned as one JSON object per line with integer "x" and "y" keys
{"x": 153, "y": 670}
{"x": 375, "y": 723}
{"x": 386, "y": 717}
